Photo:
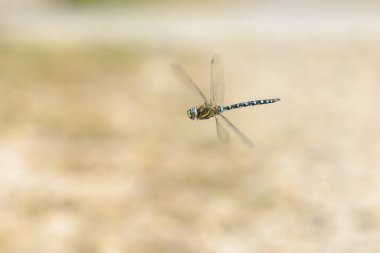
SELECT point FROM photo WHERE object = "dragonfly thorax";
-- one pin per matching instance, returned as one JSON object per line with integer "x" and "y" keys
{"x": 203, "y": 111}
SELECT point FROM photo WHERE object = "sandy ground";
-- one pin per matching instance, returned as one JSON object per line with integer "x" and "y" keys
{"x": 97, "y": 153}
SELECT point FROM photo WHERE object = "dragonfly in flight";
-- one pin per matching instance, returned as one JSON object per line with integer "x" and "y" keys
{"x": 214, "y": 107}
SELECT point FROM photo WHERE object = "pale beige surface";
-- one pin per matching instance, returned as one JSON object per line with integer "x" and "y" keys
{"x": 97, "y": 153}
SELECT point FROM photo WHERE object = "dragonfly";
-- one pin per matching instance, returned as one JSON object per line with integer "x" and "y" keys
{"x": 214, "y": 107}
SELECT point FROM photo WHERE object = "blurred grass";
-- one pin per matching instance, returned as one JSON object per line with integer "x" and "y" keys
{"x": 49, "y": 86}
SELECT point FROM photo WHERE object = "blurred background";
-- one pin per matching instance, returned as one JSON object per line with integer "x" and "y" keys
{"x": 97, "y": 153}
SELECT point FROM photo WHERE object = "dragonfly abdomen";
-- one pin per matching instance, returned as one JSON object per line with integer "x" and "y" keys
{"x": 249, "y": 103}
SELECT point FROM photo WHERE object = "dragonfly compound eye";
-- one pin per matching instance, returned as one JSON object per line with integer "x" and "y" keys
{"x": 192, "y": 113}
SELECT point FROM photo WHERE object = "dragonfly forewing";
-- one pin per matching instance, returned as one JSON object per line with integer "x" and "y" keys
{"x": 186, "y": 79}
{"x": 242, "y": 136}
{"x": 217, "y": 81}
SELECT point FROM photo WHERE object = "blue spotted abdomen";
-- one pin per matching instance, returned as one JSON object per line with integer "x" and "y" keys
{"x": 249, "y": 103}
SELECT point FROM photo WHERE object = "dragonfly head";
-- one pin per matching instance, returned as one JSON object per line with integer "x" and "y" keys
{"x": 192, "y": 113}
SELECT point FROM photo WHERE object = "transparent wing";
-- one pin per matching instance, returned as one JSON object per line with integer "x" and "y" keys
{"x": 242, "y": 136}
{"x": 223, "y": 135}
{"x": 217, "y": 81}
{"x": 186, "y": 79}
